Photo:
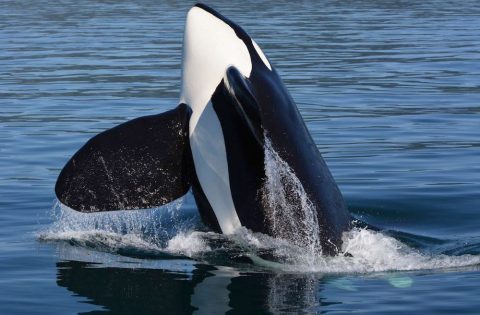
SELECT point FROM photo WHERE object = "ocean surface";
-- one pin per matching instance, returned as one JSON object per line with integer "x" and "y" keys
{"x": 390, "y": 91}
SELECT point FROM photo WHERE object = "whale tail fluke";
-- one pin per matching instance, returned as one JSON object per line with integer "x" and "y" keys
{"x": 143, "y": 163}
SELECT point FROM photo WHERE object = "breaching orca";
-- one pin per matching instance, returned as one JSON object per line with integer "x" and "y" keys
{"x": 231, "y": 99}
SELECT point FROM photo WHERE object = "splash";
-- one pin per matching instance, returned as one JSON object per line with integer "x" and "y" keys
{"x": 163, "y": 232}
{"x": 376, "y": 252}
{"x": 290, "y": 213}
{"x": 188, "y": 243}
{"x": 370, "y": 251}
{"x": 148, "y": 230}
{"x": 129, "y": 234}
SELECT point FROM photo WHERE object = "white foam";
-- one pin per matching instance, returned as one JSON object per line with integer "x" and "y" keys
{"x": 188, "y": 243}
{"x": 375, "y": 252}
{"x": 371, "y": 251}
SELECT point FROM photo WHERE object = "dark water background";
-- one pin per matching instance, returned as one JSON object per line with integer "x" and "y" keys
{"x": 389, "y": 89}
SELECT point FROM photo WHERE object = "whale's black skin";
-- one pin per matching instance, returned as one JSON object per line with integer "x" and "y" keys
{"x": 262, "y": 103}
{"x": 285, "y": 128}
{"x": 142, "y": 163}
{"x": 248, "y": 109}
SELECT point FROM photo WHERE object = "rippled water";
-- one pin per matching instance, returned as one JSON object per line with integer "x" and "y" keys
{"x": 389, "y": 90}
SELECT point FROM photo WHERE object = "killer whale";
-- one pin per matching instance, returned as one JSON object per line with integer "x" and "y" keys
{"x": 212, "y": 142}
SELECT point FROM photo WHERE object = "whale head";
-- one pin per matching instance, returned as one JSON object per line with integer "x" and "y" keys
{"x": 212, "y": 44}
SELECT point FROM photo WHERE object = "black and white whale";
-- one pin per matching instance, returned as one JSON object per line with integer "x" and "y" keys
{"x": 212, "y": 142}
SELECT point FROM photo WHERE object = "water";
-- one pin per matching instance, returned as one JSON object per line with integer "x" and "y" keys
{"x": 290, "y": 212}
{"x": 389, "y": 90}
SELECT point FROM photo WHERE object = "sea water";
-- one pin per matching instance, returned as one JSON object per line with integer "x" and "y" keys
{"x": 389, "y": 90}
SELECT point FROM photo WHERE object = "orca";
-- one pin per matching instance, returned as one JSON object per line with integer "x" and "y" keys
{"x": 231, "y": 100}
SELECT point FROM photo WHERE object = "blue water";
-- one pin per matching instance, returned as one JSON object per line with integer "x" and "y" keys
{"x": 389, "y": 90}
